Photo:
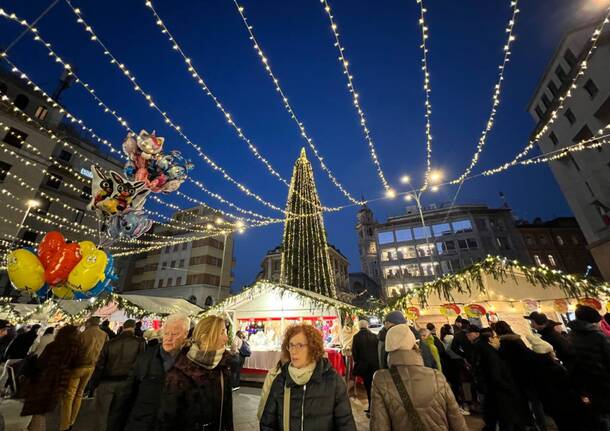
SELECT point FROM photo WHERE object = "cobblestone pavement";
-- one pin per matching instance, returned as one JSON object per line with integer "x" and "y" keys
{"x": 245, "y": 404}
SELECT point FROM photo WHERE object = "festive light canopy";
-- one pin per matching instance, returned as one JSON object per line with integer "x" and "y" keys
{"x": 305, "y": 259}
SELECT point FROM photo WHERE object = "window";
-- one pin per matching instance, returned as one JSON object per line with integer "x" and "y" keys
{"x": 481, "y": 224}
{"x": 542, "y": 240}
{"x": 424, "y": 250}
{"x": 179, "y": 281}
{"x": 545, "y": 101}
{"x": 462, "y": 226}
{"x": 41, "y": 112}
{"x": 15, "y": 137}
{"x": 406, "y": 252}
{"x": 170, "y": 282}
{"x": 429, "y": 269}
{"x": 4, "y": 168}
{"x": 583, "y": 134}
{"x": 167, "y": 248}
{"x": 445, "y": 247}
{"x": 176, "y": 246}
{"x": 86, "y": 193}
{"x": 78, "y": 217}
{"x": 163, "y": 266}
{"x": 603, "y": 113}
{"x": 421, "y": 232}
{"x": 385, "y": 237}
{"x": 173, "y": 264}
{"x": 503, "y": 243}
{"x": 591, "y": 88}
{"x": 55, "y": 181}
{"x": 160, "y": 284}
{"x": 551, "y": 260}
{"x": 403, "y": 235}
{"x": 539, "y": 112}
{"x": 561, "y": 74}
{"x": 559, "y": 240}
{"x": 441, "y": 229}
{"x": 389, "y": 254}
{"x": 30, "y": 236}
{"x": 570, "y": 116}
{"x": 181, "y": 264}
{"x": 21, "y": 101}
{"x": 411, "y": 270}
{"x": 447, "y": 266}
{"x": 184, "y": 245}
{"x": 571, "y": 158}
{"x": 553, "y": 88}
{"x": 530, "y": 241}
{"x": 553, "y": 138}
{"x": 472, "y": 243}
{"x": 65, "y": 156}
{"x": 570, "y": 58}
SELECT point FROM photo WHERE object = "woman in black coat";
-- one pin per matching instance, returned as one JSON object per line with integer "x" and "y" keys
{"x": 197, "y": 395}
{"x": 316, "y": 394}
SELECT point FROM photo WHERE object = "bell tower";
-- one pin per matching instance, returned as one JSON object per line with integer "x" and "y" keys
{"x": 367, "y": 246}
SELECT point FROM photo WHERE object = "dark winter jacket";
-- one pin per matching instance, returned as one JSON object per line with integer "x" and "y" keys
{"x": 560, "y": 342}
{"x": 589, "y": 365}
{"x": 462, "y": 346}
{"x": 495, "y": 381}
{"x": 320, "y": 405}
{"x": 20, "y": 346}
{"x": 191, "y": 400}
{"x": 364, "y": 352}
{"x": 117, "y": 358}
{"x": 48, "y": 380}
{"x": 519, "y": 358}
{"x": 135, "y": 407}
{"x": 382, "y": 355}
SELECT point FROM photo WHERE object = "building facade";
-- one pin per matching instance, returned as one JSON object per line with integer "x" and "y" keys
{"x": 584, "y": 177}
{"x": 409, "y": 254}
{"x": 558, "y": 244}
{"x": 39, "y": 170}
{"x": 200, "y": 271}
{"x": 364, "y": 289}
{"x": 272, "y": 262}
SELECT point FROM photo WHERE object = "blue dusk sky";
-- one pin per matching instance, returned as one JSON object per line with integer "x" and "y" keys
{"x": 381, "y": 40}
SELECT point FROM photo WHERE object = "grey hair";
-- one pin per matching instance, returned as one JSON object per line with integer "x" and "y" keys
{"x": 178, "y": 318}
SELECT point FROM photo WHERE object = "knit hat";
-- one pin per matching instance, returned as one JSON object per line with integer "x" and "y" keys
{"x": 363, "y": 324}
{"x": 538, "y": 344}
{"x": 396, "y": 317}
{"x": 587, "y": 314}
{"x": 399, "y": 337}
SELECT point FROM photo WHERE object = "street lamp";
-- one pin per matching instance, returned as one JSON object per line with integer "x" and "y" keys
{"x": 436, "y": 176}
{"x": 30, "y": 203}
{"x": 390, "y": 194}
{"x": 405, "y": 179}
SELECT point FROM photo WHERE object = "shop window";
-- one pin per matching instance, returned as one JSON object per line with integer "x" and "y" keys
{"x": 21, "y": 101}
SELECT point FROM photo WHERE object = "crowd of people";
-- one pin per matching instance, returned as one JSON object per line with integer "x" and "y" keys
{"x": 415, "y": 379}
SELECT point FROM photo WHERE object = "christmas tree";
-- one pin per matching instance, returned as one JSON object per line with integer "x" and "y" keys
{"x": 305, "y": 259}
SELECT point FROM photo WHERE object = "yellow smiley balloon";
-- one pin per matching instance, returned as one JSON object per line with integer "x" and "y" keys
{"x": 63, "y": 292}
{"x": 89, "y": 271}
{"x": 25, "y": 270}
{"x": 86, "y": 247}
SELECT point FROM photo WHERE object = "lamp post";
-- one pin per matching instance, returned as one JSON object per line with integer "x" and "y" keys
{"x": 30, "y": 203}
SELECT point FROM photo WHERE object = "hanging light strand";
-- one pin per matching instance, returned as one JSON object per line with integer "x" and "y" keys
{"x": 355, "y": 95}
{"x": 288, "y": 106}
{"x": 496, "y": 95}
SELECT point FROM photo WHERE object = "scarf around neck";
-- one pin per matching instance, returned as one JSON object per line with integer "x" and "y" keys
{"x": 301, "y": 375}
{"x": 206, "y": 359}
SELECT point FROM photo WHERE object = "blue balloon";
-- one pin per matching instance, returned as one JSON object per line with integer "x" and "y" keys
{"x": 43, "y": 291}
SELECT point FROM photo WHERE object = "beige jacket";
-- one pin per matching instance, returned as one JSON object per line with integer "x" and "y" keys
{"x": 92, "y": 340}
{"x": 429, "y": 391}
{"x": 269, "y": 379}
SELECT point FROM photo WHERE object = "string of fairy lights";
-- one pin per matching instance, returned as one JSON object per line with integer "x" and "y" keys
{"x": 427, "y": 91}
{"x": 265, "y": 61}
{"x": 355, "y": 95}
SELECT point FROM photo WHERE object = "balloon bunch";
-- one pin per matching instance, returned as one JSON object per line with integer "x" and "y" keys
{"x": 118, "y": 203}
{"x": 147, "y": 163}
{"x": 69, "y": 270}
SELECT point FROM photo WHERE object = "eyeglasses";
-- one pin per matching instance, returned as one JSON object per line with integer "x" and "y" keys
{"x": 296, "y": 347}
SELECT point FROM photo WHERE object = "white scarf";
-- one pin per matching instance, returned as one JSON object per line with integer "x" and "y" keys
{"x": 301, "y": 375}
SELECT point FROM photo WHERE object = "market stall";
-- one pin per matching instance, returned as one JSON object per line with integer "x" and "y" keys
{"x": 265, "y": 310}
{"x": 500, "y": 289}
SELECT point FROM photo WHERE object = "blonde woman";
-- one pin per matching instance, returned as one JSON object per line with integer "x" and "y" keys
{"x": 197, "y": 395}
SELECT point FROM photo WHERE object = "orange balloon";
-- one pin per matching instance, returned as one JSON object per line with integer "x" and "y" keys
{"x": 49, "y": 246}
{"x": 62, "y": 263}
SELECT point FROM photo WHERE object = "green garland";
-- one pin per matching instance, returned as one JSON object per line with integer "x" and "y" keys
{"x": 500, "y": 268}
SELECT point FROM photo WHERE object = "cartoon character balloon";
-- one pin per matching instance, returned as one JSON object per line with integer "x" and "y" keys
{"x": 25, "y": 270}
{"x": 113, "y": 194}
{"x": 131, "y": 224}
{"x": 89, "y": 271}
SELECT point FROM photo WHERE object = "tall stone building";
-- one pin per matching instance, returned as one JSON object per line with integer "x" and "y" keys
{"x": 584, "y": 177}
{"x": 305, "y": 261}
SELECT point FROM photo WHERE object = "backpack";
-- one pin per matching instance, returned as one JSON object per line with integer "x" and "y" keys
{"x": 244, "y": 350}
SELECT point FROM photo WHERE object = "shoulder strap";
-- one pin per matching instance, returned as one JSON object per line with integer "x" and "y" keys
{"x": 412, "y": 415}
{"x": 222, "y": 398}
{"x": 286, "y": 409}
